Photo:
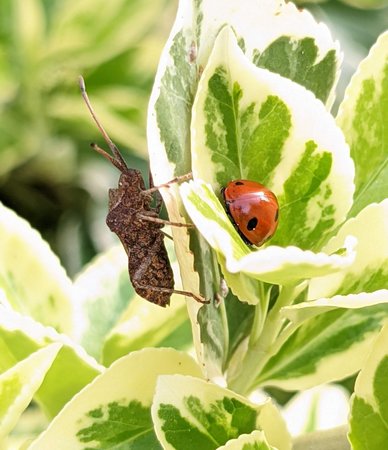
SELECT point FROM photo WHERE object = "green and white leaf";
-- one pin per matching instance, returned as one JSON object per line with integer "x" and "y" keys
{"x": 103, "y": 292}
{"x": 363, "y": 117}
{"x": 251, "y": 123}
{"x": 114, "y": 410}
{"x": 253, "y": 441}
{"x": 214, "y": 334}
{"x": 240, "y": 317}
{"x": 145, "y": 324}
{"x": 72, "y": 369}
{"x": 274, "y": 426}
{"x": 342, "y": 336}
{"x": 192, "y": 413}
{"x": 366, "y": 5}
{"x": 168, "y": 136}
{"x": 19, "y": 384}
{"x": 325, "y": 348}
{"x": 271, "y": 264}
{"x": 290, "y": 42}
{"x": 31, "y": 275}
{"x": 288, "y": 36}
{"x": 338, "y": 331}
{"x": 369, "y": 413}
{"x": 306, "y": 310}
{"x": 369, "y": 271}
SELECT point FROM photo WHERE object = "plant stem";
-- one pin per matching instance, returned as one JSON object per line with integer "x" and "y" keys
{"x": 260, "y": 315}
{"x": 259, "y": 350}
{"x": 224, "y": 319}
{"x": 282, "y": 338}
{"x": 274, "y": 320}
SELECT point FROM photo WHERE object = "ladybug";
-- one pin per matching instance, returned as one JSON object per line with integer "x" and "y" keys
{"x": 253, "y": 209}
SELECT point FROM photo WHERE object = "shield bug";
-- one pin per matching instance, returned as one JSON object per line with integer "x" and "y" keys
{"x": 134, "y": 219}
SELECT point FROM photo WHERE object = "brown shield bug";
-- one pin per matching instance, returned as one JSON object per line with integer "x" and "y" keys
{"x": 137, "y": 224}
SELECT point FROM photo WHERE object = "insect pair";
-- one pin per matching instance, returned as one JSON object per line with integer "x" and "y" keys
{"x": 133, "y": 218}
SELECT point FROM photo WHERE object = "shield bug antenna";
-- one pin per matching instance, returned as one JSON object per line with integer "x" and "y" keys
{"x": 117, "y": 160}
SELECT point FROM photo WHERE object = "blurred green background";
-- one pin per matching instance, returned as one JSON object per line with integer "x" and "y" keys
{"x": 48, "y": 173}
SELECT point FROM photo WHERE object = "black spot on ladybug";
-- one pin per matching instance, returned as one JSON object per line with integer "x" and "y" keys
{"x": 276, "y": 215}
{"x": 252, "y": 223}
{"x": 239, "y": 183}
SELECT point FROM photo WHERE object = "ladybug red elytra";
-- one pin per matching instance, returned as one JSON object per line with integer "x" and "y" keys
{"x": 253, "y": 208}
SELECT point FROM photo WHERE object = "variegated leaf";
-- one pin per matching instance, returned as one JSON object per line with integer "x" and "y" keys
{"x": 369, "y": 271}
{"x": 342, "y": 327}
{"x": 253, "y": 441}
{"x": 369, "y": 412}
{"x": 325, "y": 348}
{"x": 363, "y": 117}
{"x": 306, "y": 310}
{"x": 288, "y": 36}
{"x": 253, "y": 124}
{"x": 145, "y": 324}
{"x": 290, "y": 42}
{"x": 277, "y": 36}
{"x": 20, "y": 336}
{"x": 271, "y": 264}
{"x": 345, "y": 310}
{"x": 168, "y": 135}
{"x": 192, "y": 413}
{"x": 31, "y": 275}
{"x": 114, "y": 410}
{"x": 103, "y": 292}
{"x": 19, "y": 384}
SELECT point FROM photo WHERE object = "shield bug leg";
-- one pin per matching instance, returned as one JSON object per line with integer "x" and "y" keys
{"x": 167, "y": 235}
{"x": 159, "y": 200}
{"x": 197, "y": 298}
{"x": 157, "y": 197}
{"x": 151, "y": 218}
{"x": 141, "y": 274}
{"x": 178, "y": 179}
